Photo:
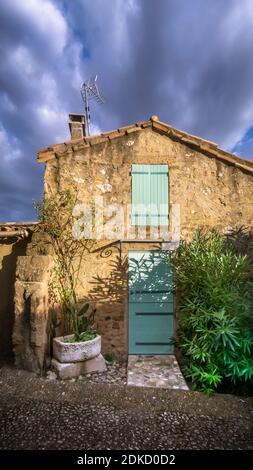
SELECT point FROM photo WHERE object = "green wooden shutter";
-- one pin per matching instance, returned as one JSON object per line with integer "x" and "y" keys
{"x": 140, "y": 194}
{"x": 159, "y": 206}
{"x": 150, "y": 204}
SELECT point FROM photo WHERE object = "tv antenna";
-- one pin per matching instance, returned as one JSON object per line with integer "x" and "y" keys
{"x": 90, "y": 91}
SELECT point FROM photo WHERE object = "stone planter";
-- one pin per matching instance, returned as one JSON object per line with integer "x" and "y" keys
{"x": 71, "y": 370}
{"x": 75, "y": 352}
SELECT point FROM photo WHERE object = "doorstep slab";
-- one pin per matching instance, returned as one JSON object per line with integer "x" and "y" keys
{"x": 70, "y": 370}
{"x": 155, "y": 371}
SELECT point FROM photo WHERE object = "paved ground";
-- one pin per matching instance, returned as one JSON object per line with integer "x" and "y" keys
{"x": 155, "y": 371}
{"x": 36, "y": 413}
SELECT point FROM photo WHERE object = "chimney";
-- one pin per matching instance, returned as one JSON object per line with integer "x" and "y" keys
{"x": 77, "y": 126}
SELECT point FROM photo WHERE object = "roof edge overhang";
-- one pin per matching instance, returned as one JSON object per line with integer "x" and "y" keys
{"x": 204, "y": 146}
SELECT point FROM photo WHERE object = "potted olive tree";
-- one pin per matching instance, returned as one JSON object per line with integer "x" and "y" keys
{"x": 79, "y": 340}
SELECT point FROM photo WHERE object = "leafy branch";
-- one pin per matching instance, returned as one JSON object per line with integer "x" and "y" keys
{"x": 55, "y": 214}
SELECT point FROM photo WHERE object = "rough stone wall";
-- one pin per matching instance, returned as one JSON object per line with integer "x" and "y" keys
{"x": 210, "y": 194}
{"x": 10, "y": 249}
{"x": 105, "y": 287}
{"x": 31, "y": 337}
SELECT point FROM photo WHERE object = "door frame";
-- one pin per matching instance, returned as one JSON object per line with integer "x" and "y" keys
{"x": 127, "y": 302}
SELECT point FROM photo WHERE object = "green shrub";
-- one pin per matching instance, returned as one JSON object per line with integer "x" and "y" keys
{"x": 110, "y": 358}
{"x": 215, "y": 309}
{"x": 86, "y": 336}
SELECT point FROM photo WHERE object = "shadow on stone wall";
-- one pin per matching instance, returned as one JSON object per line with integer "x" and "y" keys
{"x": 109, "y": 294}
{"x": 112, "y": 287}
{"x": 242, "y": 241}
{"x": 10, "y": 249}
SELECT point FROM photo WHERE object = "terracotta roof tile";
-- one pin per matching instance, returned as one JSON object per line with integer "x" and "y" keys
{"x": 145, "y": 124}
{"x": 131, "y": 130}
{"x": 16, "y": 229}
{"x": 116, "y": 134}
{"x": 125, "y": 128}
{"x": 160, "y": 127}
{"x": 97, "y": 140}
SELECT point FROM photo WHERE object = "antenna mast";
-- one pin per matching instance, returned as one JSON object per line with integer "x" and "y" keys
{"x": 90, "y": 91}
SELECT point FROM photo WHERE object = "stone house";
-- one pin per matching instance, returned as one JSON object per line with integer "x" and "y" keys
{"x": 151, "y": 185}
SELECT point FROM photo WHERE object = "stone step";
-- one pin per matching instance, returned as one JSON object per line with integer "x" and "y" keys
{"x": 155, "y": 371}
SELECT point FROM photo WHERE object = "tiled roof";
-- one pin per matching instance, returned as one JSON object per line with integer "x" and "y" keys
{"x": 204, "y": 146}
{"x": 16, "y": 229}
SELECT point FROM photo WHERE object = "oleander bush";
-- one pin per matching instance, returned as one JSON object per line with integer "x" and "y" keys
{"x": 215, "y": 311}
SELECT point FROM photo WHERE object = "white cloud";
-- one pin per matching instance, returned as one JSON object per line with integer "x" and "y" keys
{"x": 244, "y": 122}
{"x": 238, "y": 20}
{"x": 9, "y": 148}
{"x": 45, "y": 18}
{"x": 95, "y": 129}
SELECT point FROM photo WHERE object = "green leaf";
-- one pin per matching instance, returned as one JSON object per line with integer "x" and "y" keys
{"x": 83, "y": 309}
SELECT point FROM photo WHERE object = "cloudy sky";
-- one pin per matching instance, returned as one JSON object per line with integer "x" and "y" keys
{"x": 188, "y": 61}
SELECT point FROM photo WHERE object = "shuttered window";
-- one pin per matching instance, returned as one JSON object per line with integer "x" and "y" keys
{"x": 150, "y": 201}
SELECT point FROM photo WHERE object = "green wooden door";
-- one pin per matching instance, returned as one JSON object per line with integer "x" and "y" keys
{"x": 150, "y": 301}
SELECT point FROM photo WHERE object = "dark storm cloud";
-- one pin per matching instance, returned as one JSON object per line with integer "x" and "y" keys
{"x": 35, "y": 46}
{"x": 189, "y": 62}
